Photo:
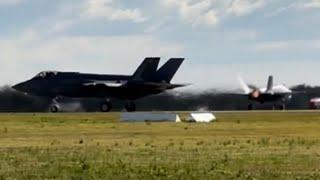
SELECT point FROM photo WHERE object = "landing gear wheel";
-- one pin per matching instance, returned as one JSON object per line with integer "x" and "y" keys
{"x": 282, "y": 107}
{"x": 105, "y": 106}
{"x": 54, "y": 108}
{"x": 130, "y": 106}
{"x": 250, "y": 107}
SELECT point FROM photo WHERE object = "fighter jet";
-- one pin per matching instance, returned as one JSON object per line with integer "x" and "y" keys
{"x": 276, "y": 94}
{"x": 147, "y": 80}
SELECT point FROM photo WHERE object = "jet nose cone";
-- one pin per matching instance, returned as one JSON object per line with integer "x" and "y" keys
{"x": 20, "y": 87}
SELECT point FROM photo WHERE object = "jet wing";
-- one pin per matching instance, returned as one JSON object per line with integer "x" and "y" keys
{"x": 165, "y": 85}
{"x": 236, "y": 94}
{"x": 298, "y": 92}
{"x": 281, "y": 93}
{"x": 105, "y": 83}
{"x": 150, "y": 85}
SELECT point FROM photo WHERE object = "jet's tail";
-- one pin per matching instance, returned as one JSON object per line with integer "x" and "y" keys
{"x": 147, "y": 70}
{"x": 270, "y": 84}
{"x": 168, "y": 70}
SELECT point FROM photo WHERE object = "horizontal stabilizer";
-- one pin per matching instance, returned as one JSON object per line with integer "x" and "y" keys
{"x": 244, "y": 86}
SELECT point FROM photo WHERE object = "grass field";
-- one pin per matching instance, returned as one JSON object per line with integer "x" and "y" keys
{"x": 248, "y": 145}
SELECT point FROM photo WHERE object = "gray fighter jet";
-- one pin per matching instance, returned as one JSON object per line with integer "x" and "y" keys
{"x": 276, "y": 94}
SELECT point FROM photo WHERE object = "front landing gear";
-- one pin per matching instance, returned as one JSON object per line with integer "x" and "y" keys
{"x": 282, "y": 107}
{"x": 130, "y": 106}
{"x": 106, "y": 106}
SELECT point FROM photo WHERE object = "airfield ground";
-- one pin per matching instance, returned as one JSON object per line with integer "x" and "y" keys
{"x": 247, "y": 145}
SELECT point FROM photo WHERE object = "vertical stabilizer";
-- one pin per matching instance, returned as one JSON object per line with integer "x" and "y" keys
{"x": 270, "y": 84}
{"x": 147, "y": 70}
{"x": 168, "y": 70}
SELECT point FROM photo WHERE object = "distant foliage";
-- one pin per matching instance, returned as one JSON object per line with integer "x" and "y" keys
{"x": 12, "y": 101}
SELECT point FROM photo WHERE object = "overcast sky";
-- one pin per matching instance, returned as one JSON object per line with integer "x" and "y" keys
{"x": 220, "y": 39}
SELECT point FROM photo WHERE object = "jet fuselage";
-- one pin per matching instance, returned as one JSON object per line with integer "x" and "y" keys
{"x": 77, "y": 85}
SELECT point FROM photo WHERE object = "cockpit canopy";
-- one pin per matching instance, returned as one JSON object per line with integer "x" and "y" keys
{"x": 45, "y": 74}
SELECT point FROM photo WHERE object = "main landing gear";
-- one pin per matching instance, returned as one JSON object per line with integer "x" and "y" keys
{"x": 281, "y": 107}
{"x": 130, "y": 106}
{"x": 274, "y": 107}
{"x": 54, "y": 107}
{"x": 106, "y": 106}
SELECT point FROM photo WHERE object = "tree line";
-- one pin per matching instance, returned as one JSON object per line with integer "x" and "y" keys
{"x": 13, "y": 101}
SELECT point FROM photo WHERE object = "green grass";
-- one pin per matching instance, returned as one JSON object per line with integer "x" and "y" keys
{"x": 255, "y": 145}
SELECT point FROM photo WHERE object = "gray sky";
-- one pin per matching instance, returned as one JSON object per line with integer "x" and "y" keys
{"x": 220, "y": 39}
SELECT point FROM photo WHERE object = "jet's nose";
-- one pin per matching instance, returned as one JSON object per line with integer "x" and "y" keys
{"x": 22, "y": 87}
